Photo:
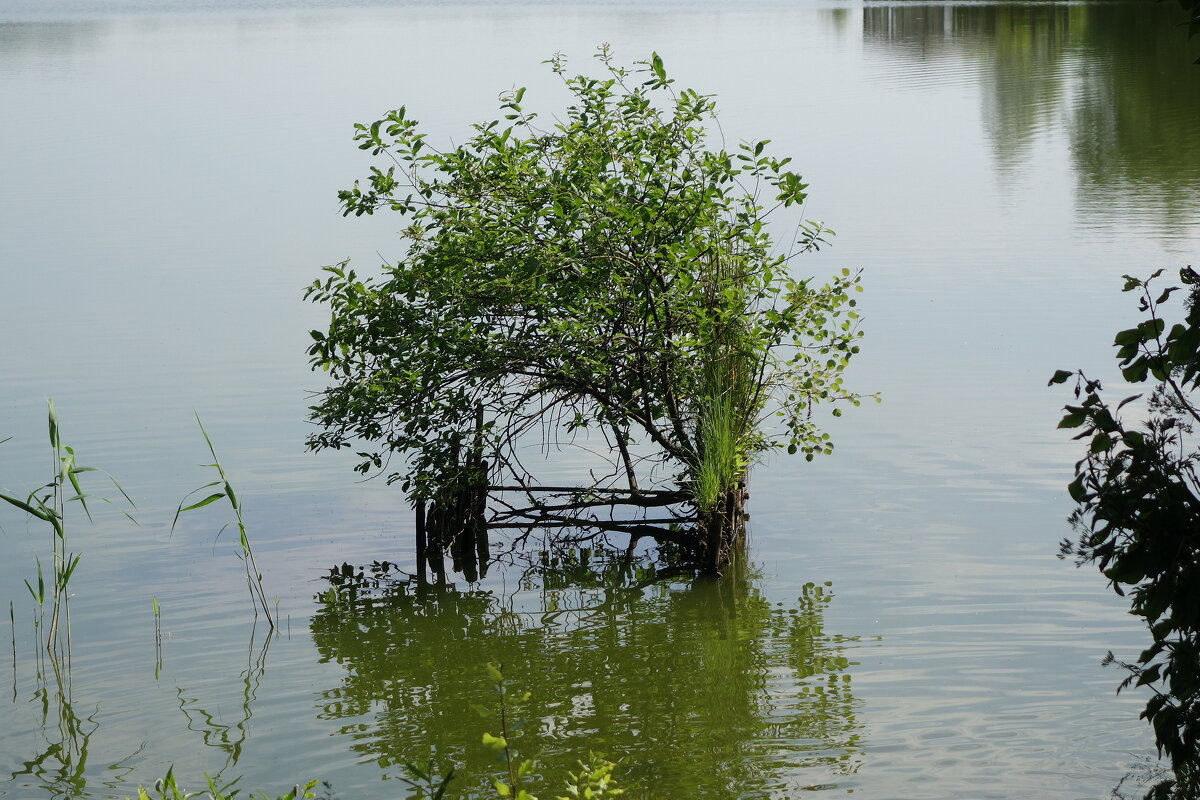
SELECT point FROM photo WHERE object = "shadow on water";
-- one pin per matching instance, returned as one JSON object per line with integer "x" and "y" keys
{"x": 704, "y": 690}
{"x": 1117, "y": 77}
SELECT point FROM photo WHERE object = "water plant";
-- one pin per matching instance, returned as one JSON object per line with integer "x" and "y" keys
{"x": 254, "y": 578}
{"x": 166, "y": 788}
{"x": 49, "y": 503}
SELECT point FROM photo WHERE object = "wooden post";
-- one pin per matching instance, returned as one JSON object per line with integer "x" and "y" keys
{"x": 464, "y": 528}
{"x": 435, "y": 547}
{"x": 422, "y": 576}
{"x": 479, "y": 520}
{"x": 478, "y": 498}
{"x": 452, "y": 494}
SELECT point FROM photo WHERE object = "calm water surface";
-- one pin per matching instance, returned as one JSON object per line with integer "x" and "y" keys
{"x": 902, "y": 629}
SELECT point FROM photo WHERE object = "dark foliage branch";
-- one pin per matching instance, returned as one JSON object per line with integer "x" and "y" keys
{"x": 1138, "y": 514}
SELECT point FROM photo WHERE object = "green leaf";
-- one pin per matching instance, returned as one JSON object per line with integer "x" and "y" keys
{"x": 494, "y": 742}
{"x": 40, "y": 513}
{"x": 1126, "y": 337}
{"x": 1060, "y": 376}
{"x": 1149, "y": 675}
{"x": 212, "y": 498}
{"x": 1136, "y": 372}
{"x": 1074, "y": 418}
{"x": 55, "y": 442}
{"x": 1166, "y": 293}
{"x": 656, "y": 63}
{"x": 1076, "y": 490}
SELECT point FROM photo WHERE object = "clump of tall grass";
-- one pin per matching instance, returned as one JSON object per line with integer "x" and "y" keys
{"x": 254, "y": 578}
{"x": 729, "y": 394}
{"x": 722, "y": 460}
{"x": 49, "y": 503}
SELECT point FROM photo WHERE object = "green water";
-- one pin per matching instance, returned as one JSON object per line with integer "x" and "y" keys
{"x": 900, "y": 628}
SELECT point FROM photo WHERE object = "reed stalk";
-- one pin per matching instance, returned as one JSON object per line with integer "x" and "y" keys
{"x": 12, "y": 621}
{"x": 254, "y": 578}
{"x": 157, "y": 636}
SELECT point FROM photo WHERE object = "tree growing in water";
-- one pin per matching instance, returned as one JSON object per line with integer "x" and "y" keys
{"x": 604, "y": 276}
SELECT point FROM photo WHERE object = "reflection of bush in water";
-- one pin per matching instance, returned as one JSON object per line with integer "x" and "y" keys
{"x": 706, "y": 690}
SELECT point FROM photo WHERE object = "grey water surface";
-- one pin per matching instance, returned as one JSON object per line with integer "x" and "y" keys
{"x": 903, "y": 629}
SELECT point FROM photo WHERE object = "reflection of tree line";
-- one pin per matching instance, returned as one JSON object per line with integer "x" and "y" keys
{"x": 1118, "y": 74}
{"x": 20, "y": 40}
{"x": 708, "y": 691}
{"x": 1136, "y": 134}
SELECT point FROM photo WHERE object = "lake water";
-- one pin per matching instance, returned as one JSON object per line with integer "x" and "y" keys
{"x": 902, "y": 630}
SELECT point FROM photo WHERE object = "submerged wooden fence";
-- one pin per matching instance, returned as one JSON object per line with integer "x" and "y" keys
{"x": 455, "y": 520}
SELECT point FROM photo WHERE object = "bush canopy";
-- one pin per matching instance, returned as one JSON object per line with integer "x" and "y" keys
{"x": 604, "y": 275}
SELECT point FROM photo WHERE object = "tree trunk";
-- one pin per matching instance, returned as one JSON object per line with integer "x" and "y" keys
{"x": 723, "y": 529}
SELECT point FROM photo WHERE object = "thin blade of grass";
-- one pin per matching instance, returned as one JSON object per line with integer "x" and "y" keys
{"x": 71, "y": 471}
{"x": 218, "y": 536}
{"x": 208, "y": 441}
{"x": 66, "y": 575}
{"x": 120, "y": 489}
{"x": 40, "y": 595}
{"x": 441, "y": 790}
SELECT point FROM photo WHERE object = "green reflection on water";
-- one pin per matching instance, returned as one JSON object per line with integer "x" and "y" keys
{"x": 706, "y": 690}
{"x": 1118, "y": 77}
{"x": 1135, "y": 136}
